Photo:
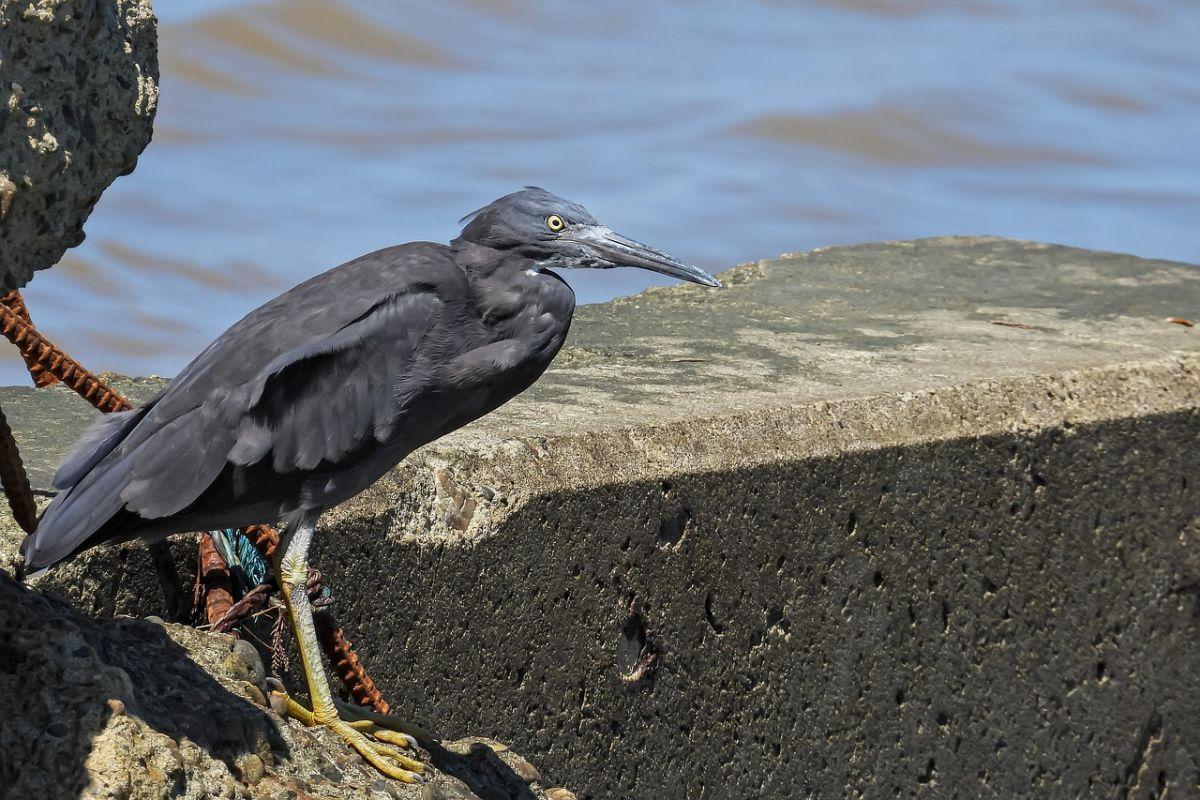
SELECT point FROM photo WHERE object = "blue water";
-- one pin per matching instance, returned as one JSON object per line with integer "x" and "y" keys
{"x": 294, "y": 136}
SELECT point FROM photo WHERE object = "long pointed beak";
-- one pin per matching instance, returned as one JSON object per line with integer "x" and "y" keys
{"x": 621, "y": 251}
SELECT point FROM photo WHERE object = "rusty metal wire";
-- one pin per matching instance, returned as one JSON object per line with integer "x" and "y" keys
{"x": 15, "y": 481}
{"x": 33, "y": 346}
{"x": 216, "y": 585}
{"x": 42, "y": 377}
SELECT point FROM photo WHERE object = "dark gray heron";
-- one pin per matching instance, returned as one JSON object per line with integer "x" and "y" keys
{"x": 312, "y": 397}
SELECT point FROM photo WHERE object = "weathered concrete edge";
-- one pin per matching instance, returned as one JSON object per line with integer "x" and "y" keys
{"x": 463, "y": 491}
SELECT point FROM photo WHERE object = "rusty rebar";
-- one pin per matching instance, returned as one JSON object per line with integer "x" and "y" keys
{"x": 215, "y": 581}
{"x": 15, "y": 481}
{"x": 42, "y": 377}
{"x": 346, "y": 664}
{"x": 252, "y": 603}
{"x": 34, "y": 346}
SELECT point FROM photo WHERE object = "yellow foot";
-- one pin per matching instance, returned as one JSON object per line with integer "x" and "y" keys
{"x": 377, "y": 738}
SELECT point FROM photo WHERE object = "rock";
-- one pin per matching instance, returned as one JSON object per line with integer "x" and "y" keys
{"x": 248, "y": 662}
{"x": 124, "y": 708}
{"x": 78, "y": 90}
{"x": 252, "y": 770}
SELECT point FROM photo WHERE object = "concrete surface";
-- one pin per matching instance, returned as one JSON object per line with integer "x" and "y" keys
{"x": 78, "y": 91}
{"x": 913, "y": 518}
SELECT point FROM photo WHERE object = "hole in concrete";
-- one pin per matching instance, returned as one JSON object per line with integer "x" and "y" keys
{"x": 943, "y": 721}
{"x": 852, "y": 524}
{"x": 775, "y": 617}
{"x": 1101, "y": 670}
{"x": 708, "y": 614}
{"x": 878, "y": 579}
{"x": 900, "y": 697}
{"x": 945, "y": 616}
{"x": 989, "y": 586}
{"x": 672, "y": 529}
{"x": 630, "y": 643}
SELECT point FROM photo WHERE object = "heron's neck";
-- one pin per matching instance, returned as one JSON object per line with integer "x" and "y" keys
{"x": 508, "y": 286}
{"x": 479, "y": 261}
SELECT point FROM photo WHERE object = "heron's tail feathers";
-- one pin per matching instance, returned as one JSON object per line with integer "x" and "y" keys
{"x": 96, "y": 443}
{"x": 89, "y": 498}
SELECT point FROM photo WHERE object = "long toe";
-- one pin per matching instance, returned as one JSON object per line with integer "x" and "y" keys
{"x": 383, "y": 757}
{"x": 380, "y": 745}
{"x": 382, "y": 722}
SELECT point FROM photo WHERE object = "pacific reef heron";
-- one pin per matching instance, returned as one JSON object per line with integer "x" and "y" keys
{"x": 313, "y": 396}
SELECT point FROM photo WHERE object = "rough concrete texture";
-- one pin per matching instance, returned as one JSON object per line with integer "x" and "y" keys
{"x": 910, "y": 519}
{"x": 78, "y": 89}
{"x": 138, "y": 709}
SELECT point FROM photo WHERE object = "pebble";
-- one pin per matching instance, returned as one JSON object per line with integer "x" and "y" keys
{"x": 253, "y": 661}
{"x": 254, "y": 693}
{"x": 252, "y": 769}
{"x": 524, "y": 770}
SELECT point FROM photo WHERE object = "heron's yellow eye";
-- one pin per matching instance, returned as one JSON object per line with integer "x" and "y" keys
{"x": 555, "y": 223}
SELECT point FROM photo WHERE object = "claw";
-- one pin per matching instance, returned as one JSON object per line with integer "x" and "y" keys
{"x": 414, "y": 734}
{"x": 380, "y": 746}
{"x": 394, "y": 737}
{"x": 383, "y": 734}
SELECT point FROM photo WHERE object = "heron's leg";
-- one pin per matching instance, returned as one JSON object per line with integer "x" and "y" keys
{"x": 379, "y": 745}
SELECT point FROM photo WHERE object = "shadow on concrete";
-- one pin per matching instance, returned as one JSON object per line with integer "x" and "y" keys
{"x": 974, "y": 614}
{"x": 482, "y": 770}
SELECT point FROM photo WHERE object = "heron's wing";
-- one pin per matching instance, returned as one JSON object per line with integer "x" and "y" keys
{"x": 319, "y": 403}
{"x": 312, "y": 404}
{"x": 304, "y": 315}
{"x": 104, "y": 434}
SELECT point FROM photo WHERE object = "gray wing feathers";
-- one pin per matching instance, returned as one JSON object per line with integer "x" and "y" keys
{"x": 73, "y": 516}
{"x": 97, "y": 442}
{"x": 325, "y": 400}
{"x": 176, "y": 464}
{"x": 297, "y": 409}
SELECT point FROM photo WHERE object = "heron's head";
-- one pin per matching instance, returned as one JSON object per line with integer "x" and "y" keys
{"x": 558, "y": 233}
